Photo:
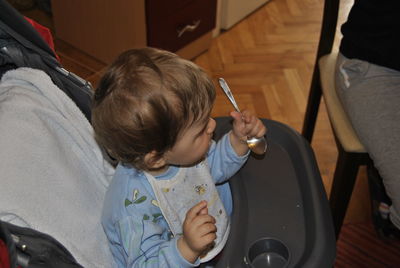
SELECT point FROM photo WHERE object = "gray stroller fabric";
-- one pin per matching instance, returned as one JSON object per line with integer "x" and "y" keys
{"x": 53, "y": 174}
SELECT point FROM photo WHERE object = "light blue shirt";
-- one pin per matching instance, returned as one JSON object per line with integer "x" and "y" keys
{"x": 138, "y": 234}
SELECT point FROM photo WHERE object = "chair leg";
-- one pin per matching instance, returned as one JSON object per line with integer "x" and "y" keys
{"x": 314, "y": 99}
{"x": 342, "y": 187}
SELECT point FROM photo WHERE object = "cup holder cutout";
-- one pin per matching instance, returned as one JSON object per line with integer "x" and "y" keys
{"x": 268, "y": 253}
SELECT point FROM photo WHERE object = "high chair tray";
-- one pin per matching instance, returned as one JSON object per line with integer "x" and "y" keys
{"x": 281, "y": 196}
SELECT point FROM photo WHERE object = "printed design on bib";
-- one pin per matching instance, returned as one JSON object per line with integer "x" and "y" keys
{"x": 200, "y": 189}
{"x": 187, "y": 188}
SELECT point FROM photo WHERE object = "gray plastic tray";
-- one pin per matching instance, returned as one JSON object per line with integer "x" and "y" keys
{"x": 280, "y": 195}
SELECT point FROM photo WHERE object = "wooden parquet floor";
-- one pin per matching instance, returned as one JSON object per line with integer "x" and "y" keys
{"x": 267, "y": 59}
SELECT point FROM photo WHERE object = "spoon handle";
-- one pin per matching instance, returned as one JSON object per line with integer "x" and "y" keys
{"x": 228, "y": 93}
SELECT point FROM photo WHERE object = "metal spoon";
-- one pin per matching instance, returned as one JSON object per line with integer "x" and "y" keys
{"x": 257, "y": 145}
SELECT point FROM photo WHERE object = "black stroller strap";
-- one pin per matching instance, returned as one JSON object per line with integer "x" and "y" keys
{"x": 29, "y": 248}
{"x": 15, "y": 55}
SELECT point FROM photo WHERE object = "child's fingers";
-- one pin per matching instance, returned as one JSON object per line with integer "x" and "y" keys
{"x": 237, "y": 117}
{"x": 209, "y": 238}
{"x": 195, "y": 210}
{"x": 204, "y": 211}
{"x": 206, "y": 229}
{"x": 204, "y": 224}
{"x": 201, "y": 220}
{"x": 257, "y": 130}
{"x": 247, "y": 116}
{"x": 262, "y": 131}
{"x": 238, "y": 124}
{"x": 251, "y": 122}
{"x": 254, "y": 127}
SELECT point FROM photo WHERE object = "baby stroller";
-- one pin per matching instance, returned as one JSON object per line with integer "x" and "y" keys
{"x": 281, "y": 216}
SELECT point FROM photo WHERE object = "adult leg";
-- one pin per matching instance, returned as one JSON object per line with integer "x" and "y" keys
{"x": 371, "y": 97}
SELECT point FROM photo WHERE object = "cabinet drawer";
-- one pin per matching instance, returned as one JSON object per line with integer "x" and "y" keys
{"x": 163, "y": 26}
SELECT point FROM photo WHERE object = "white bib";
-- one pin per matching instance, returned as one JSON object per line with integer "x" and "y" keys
{"x": 187, "y": 188}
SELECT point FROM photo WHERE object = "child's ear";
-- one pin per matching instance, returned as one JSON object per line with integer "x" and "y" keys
{"x": 154, "y": 161}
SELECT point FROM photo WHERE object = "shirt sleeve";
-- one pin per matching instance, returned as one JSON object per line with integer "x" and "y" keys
{"x": 146, "y": 244}
{"x": 223, "y": 160}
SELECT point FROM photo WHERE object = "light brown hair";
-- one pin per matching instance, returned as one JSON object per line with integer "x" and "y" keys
{"x": 144, "y": 101}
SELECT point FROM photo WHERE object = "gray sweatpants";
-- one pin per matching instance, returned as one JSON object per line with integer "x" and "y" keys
{"x": 371, "y": 97}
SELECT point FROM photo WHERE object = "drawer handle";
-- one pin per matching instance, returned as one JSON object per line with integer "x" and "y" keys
{"x": 188, "y": 28}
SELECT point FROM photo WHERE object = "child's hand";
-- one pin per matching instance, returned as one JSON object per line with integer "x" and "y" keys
{"x": 245, "y": 125}
{"x": 199, "y": 232}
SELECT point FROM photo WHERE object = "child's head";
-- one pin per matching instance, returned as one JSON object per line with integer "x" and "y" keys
{"x": 146, "y": 99}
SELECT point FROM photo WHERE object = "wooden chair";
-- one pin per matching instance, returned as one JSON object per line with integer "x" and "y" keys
{"x": 352, "y": 153}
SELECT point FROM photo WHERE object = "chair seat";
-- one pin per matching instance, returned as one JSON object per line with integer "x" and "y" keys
{"x": 340, "y": 122}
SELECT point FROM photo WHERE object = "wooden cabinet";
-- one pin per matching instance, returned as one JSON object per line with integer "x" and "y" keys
{"x": 104, "y": 28}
